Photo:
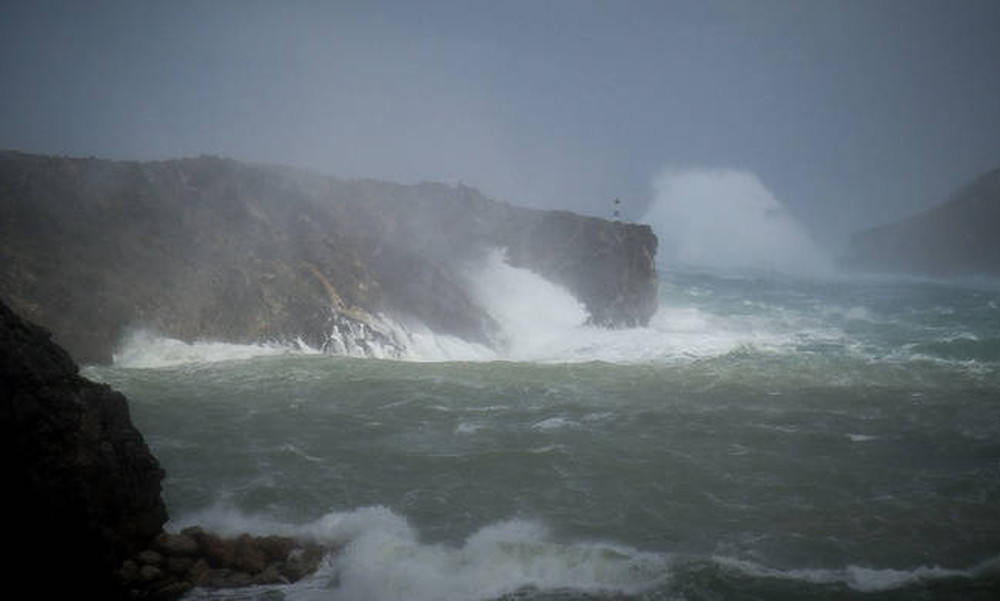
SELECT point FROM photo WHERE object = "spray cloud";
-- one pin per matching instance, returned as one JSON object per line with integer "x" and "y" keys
{"x": 727, "y": 219}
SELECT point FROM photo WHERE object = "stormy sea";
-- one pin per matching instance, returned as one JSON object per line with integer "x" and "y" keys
{"x": 767, "y": 436}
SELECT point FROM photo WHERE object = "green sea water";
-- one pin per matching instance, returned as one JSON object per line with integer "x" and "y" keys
{"x": 765, "y": 437}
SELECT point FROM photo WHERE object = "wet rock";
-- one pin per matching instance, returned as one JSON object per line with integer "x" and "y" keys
{"x": 176, "y": 544}
{"x": 218, "y": 562}
{"x": 77, "y": 475}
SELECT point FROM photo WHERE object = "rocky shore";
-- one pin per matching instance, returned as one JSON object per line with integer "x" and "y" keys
{"x": 82, "y": 493}
{"x": 223, "y": 250}
{"x": 176, "y": 563}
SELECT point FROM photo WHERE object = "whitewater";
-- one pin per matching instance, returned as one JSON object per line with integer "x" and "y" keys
{"x": 778, "y": 431}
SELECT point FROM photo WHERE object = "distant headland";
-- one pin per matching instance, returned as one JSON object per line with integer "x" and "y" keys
{"x": 958, "y": 237}
{"x": 214, "y": 248}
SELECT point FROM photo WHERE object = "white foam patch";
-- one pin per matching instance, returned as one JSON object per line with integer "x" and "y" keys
{"x": 534, "y": 315}
{"x": 858, "y": 578}
{"x": 542, "y": 322}
{"x": 143, "y": 349}
{"x": 383, "y": 559}
{"x": 538, "y": 322}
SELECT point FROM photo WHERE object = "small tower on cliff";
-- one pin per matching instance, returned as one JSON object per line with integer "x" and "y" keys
{"x": 617, "y": 210}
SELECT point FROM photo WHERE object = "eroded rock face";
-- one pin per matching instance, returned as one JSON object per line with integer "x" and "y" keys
{"x": 81, "y": 491}
{"x": 217, "y": 249}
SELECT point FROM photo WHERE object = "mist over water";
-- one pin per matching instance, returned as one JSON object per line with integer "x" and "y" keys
{"x": 676, "y": 461}
{"x": 727, "y": 219}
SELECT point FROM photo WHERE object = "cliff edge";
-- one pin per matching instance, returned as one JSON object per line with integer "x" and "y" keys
{"x": 213, "y": 248}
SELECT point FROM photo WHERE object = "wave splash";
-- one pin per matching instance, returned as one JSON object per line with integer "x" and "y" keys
{"x": 383, "y": 559}
{"x": 865, "y": 579}
{"x": 538, "y": 322}
{"x": 380, "y": 557}
{"x": 728, "y": 219}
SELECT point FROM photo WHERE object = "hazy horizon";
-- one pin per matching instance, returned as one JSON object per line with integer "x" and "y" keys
{"x": 848, "y": 114}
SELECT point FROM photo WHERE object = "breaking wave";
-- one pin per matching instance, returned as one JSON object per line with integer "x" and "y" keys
{"x": 380, "y": 557}
{"x": 727, "y": 219}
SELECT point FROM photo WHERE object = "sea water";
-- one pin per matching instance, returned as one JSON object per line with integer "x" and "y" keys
{"x": 765, "y": 437}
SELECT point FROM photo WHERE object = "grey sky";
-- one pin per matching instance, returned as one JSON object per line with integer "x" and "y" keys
{"x": 851, "y": 112}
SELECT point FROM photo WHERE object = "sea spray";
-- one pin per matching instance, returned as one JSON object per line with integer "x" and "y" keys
{"x": 143, "y": 349}
{"x": 728, "y": 219}
{"x": 533, "y": 313}
{"x": 381, "y": 557}
{"x": 765, "y": 437}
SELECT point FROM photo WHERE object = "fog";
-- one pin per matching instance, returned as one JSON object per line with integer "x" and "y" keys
{"x": 844, "y": 113}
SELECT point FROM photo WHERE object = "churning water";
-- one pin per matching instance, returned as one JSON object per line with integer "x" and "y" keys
{"x": 766, "y": 437}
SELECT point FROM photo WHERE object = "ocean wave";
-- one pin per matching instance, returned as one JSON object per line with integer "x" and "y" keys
{"x": 382, "y": 558}
{"x": 146, "y": 350}
{"x": 860, "y": 578}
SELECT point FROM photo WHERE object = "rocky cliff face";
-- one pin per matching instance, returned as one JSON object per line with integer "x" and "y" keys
{"x": 81, "y": 489}
{"x": 217, "y": 249}
{"x": 960, "y": 236}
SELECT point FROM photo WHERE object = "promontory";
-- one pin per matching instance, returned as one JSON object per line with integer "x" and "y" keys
{"x": 214, "y": 248}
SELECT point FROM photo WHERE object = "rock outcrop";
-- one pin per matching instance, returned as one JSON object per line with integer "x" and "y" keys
{"x": 211, "y": 248}
{"x": 957, "y": 237}
{"x": 81, "y": 490}
{"x": 176, "y": 563}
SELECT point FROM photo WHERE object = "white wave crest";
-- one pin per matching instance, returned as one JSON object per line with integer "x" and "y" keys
{"x": 862, "y": 579}
{"x": 383, "y": 559}
{"x": 146, "y": 350}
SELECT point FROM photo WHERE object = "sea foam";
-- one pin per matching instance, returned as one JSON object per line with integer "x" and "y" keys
{"x": 537, "y": 321}
{"x": 383, "y": 559}
{"x": 858, "y": 578}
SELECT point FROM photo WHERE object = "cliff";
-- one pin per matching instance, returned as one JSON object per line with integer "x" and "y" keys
{"x": 81, "y": 488}
{"x": 211, "y": 248}
{"x": 957, "y": 237}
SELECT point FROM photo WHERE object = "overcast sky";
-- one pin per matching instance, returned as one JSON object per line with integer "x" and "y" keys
{"x": 851, "y": 113}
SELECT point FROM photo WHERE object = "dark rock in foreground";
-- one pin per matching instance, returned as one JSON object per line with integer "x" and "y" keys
{"x": 81, "y": 493}
{"x": 959, "y": 237}
{"x": 210, "y": 248}
{"x": 81, "y": 490}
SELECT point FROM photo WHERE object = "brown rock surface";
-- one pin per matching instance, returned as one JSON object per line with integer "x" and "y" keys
{"x": 210, "y": 248}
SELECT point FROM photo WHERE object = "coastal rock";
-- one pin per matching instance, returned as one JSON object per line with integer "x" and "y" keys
{"x": 211, "y": 248}
{"x": 81, "y": 486}
{"x": 217, "y": 562}
{"x": 79, "y": 481}
{"x": 957, "y": 237}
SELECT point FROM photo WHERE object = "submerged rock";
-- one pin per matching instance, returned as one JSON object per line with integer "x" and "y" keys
{"x": 210, "y": 248}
